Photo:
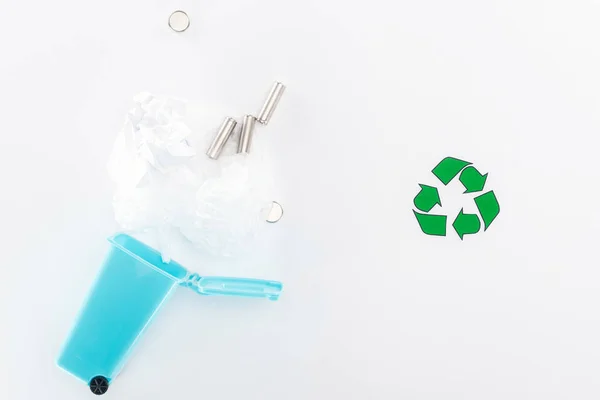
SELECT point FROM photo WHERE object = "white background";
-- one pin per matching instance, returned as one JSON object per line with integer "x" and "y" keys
{"x": 378, "y": 93}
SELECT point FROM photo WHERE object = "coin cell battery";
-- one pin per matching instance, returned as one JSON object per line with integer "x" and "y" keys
{"x": 179, "y": 21}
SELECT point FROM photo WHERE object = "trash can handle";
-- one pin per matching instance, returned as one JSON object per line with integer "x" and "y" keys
{"x": 229, "y": 286}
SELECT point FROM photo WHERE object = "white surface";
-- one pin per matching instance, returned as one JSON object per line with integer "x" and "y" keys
{"x": 378, "y": 93}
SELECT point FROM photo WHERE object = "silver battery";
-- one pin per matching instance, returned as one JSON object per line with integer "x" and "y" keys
{"x": 246, "y": 134}
{"x": 224, "y": 133}
{"x": 275, "y": 212}
{"x": 179, "y": 21}
{"x": 269, "y": 107}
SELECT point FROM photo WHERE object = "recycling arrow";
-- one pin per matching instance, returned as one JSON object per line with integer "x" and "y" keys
{"x": 427, "y": 198}
{"x": 488, "y": 207}
{"x": 466, "y": 224}
{"x": 432, "y": 224}
{"x": 472, "y": 180}
{"x": 448, "y": 168}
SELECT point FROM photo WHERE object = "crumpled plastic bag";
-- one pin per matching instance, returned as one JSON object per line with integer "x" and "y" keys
{"x": 162, "y": 185}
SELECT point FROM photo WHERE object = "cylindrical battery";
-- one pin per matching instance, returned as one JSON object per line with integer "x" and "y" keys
{"x": 223, "y": 135}
{"x": 269, "y": 107}
{"x": 246, "y": 134}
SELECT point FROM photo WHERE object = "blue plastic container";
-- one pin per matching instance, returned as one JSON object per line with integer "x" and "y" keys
{"x": 132, "y": 286}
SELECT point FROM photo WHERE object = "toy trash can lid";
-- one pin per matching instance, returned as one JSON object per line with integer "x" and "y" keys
{"x": 147, "y": 255}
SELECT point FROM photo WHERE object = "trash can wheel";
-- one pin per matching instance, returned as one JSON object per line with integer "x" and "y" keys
{"x": 99, "y": 385}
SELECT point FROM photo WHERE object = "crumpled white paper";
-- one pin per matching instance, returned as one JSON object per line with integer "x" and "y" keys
{"x": 162, "y": 185}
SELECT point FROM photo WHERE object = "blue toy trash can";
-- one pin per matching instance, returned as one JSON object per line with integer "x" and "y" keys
{"x": 132, "y": 286}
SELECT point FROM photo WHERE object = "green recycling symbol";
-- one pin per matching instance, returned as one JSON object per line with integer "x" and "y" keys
{"x": 464, "y": 224}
